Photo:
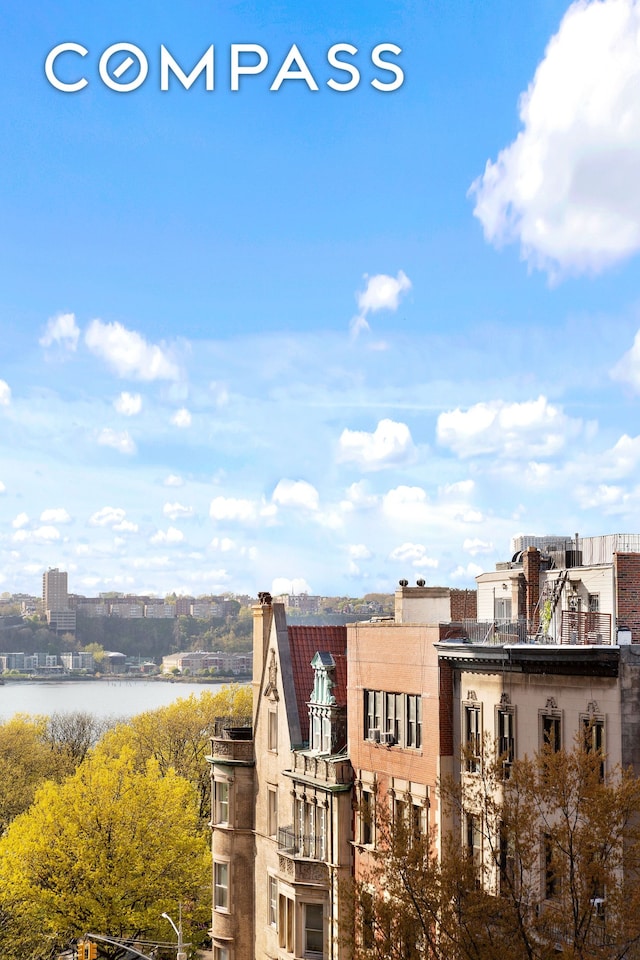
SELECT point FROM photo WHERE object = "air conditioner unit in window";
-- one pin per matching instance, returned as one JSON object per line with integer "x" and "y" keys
{"x": 599, "y": 905}
{"x": 388, "y": 739}
{"x": 374, "y": 734}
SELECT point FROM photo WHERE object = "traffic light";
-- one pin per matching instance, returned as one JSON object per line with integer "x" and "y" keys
{"x": 87, "y": 950}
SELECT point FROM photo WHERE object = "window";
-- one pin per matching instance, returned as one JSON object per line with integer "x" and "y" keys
{"x": 220, "y": 953}
{"x": 221, "y": 801}
{"x": 272, "y": 813}
{"x": 272, "y": 884}
{"x": 551, "y": 730}
{"x": 285, "y": 923}
{"x": 366, "y": 817}
{"x": 474, "y": 841}
{"x": 506, "y": 739}
{"x": 507, "y": 864}
{"x": 593, "y": 603}
{"x": 221, "y": 885}
{"x": 313, "y": 930}
{"x": 393, "y": 718}
{"x": 273, "y": 730}
{"x": 472, "y": 737}
{"x": 551, "y": 881}
{"x": 414, "y": 721}
{"x": 502, "y": 608}
{"x": 367, "y": 918}
{"x": 593, "y": 738}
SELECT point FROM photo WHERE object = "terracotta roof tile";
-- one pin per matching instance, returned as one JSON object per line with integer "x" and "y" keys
{"x": 304, "y": 643}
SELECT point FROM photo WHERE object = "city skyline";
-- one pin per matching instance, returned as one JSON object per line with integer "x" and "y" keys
{"x": 312, "y": 340}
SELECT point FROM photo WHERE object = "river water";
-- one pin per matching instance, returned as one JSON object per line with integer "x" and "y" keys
{"x": 104, "y": 698}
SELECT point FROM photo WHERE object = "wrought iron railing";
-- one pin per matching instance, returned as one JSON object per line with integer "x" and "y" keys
{"x": 312, "y": 847}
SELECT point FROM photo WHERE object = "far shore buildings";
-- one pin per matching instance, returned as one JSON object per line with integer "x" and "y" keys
{"x": 544, "y": 652}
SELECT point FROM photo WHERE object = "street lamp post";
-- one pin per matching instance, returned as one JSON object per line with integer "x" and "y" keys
{"x": 180, "y": 955}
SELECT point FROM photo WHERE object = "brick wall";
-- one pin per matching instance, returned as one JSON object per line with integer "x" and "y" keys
{"x": 531, "y": 570}
{"x": 627, "y": 569}
{"x": 446, "y": 710}
{"x": 464, "y": 604}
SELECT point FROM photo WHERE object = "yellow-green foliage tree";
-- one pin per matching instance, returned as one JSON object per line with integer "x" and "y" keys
{"x": 178, "y": 736}
{"x": 26, "y": 761}
{"x": 107, "y": 851}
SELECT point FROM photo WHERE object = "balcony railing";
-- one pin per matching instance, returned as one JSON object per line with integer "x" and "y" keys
{"x": 312, "y": 847}
{"x": 496, "y": 632}
{"x": 584, "y": 627}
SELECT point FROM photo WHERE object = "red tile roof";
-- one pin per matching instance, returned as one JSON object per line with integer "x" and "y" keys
{"x": 304, "y": 643}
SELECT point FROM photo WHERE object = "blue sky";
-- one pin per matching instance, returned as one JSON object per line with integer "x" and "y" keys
{"x": 316, "y": 339}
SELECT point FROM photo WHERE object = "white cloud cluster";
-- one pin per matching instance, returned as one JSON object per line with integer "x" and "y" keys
{"x": 120, "y": 440}
{"x": 55, "y": 515}
{"x": 475, "y": 546}
{"x": 168, "y": 536}
{"x": 177, "y": 511}
{"x": 114, "y": 517}
{"x": 181, "y": 418}
{"x": 382, "y": 292}
{"x": 284, "y": 585}
{"x": 532, "y": 428}
{"x": 627, "y": 370}
{"x": 413, "y": 553}
{"x": 553, "y": 189}
{"x": 20, "y": 521}
{"x": 128, "y": 353}
{"x": 389, "y": 445}
{"x": 5, "y": 393}
{"x": 173, "y": 480}
{"x": 232, "y": 508}
{"x": 44, "y": 534}
{"x": 128, "y": 404}
{"x": 358, "y": 551}
{"x": 296, "y": 493}
{"x": 61, "y": 330}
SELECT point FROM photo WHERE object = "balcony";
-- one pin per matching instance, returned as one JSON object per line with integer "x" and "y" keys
{"x": 301, "y": 859}
{"x": 585, "y": 627}
{"x": 329, "y": 770}
{"x": 232, "y": 741}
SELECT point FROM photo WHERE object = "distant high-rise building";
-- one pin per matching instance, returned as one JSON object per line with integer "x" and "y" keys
{"x": 54, "y": 590}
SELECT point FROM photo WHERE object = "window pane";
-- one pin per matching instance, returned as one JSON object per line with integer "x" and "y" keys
{"x": 313, "y": 928}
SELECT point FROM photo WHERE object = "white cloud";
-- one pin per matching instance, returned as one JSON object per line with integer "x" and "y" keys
{"x": 120, "y": 440}
{"x": 474, "y": 546}
{"x": 181, "y": 418}
{"x": 358, "y": 551}
{"x": 413, "y": 553}
{"x": 176, "y": 511}
{"x": 627, "y": 370}
{"x": 223, "y": 543}
{"x": 128, "y": 353}
{"x": 44, "y": 534}
{"x": 382, "y": 292}
{"x": 601, "y": 497}
{"x": 220, "y": 393}
{"x": 107, "y": 516}
{"x": 567, "y": 187}
{"x": 406, "y": 504}
{"x": 358, "y": 498}
{"x": 173, "y": 480}
{"x": 231, "y": 508}
{"x": 62, "y": 330}
{"x": 20, "y": 521}
{"x": 284, "y": 585}
{"x": 171, "y": 535}
{"x": 296, "y": 493}
{"x": 55, "y": 515}
{"x": 3, "y": 489}
{"x": 534, "y": 427}
{"x": 128, "y": 404}
{"x": 5, "y": 393}
{"x": 470, "y": 572}
{"x": 388, "y": 445}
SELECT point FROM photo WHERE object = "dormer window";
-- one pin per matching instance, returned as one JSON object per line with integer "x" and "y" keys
{"x": 326, "y": 718}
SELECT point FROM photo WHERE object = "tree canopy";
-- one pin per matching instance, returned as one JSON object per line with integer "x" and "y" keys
{"x": 542, "y": 864}
{"x": 108, "y": 850}
{"x": 178, "y": 736}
